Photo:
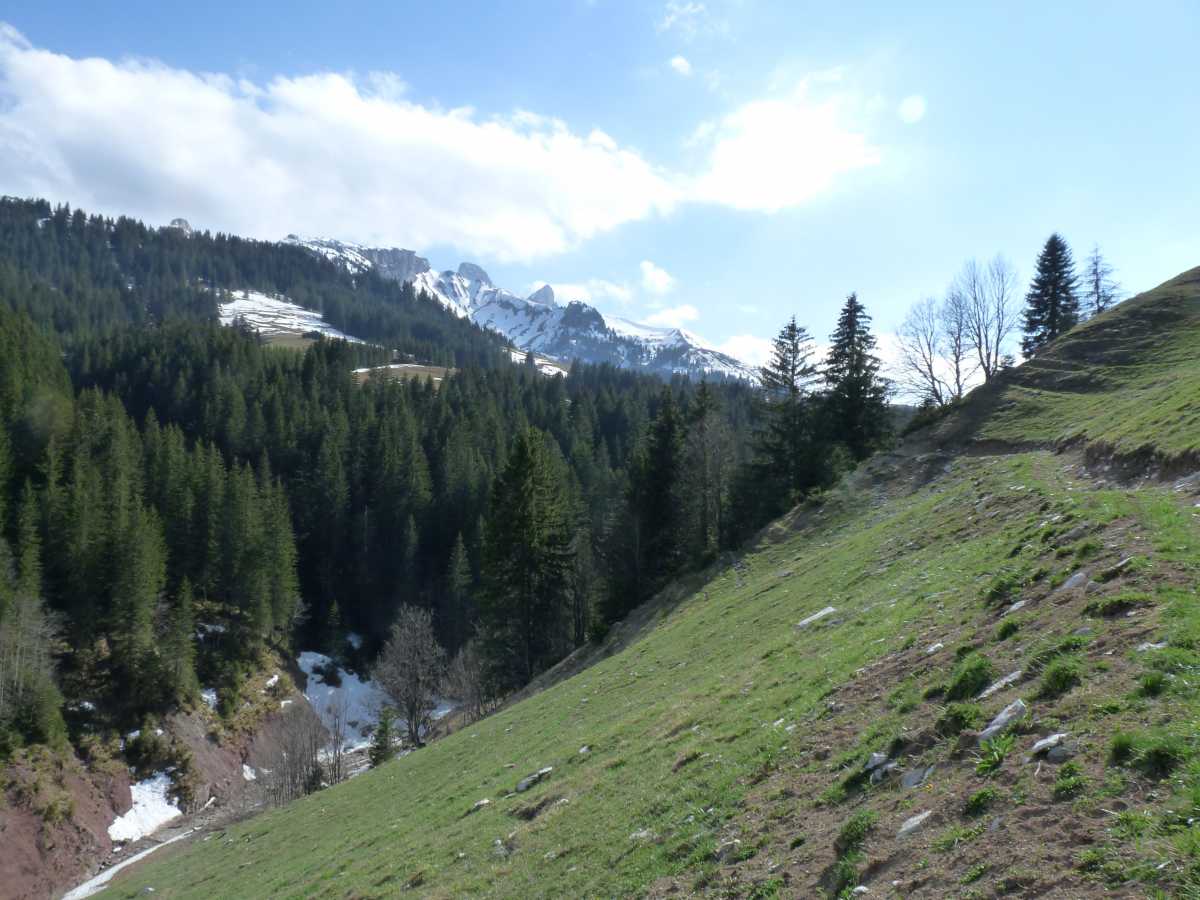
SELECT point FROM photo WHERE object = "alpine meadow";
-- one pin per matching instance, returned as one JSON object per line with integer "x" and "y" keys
{"x": 804, "y": 501}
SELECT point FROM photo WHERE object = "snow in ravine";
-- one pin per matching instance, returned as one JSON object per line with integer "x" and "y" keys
{"x": 270, "y": 315}
{"x": 248, "y": 773}
{"x": 151, "y": 809}
{"x": 363, "y": 700}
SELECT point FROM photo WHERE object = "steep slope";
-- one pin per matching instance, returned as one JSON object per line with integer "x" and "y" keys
{"x": 729, "y": 750}
{"x": 538, "y": 322}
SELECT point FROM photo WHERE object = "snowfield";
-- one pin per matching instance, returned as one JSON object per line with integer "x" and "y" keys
{"x": 151, "y": 809}
{"x": 275, "y": 315}
{"x": 363, "y": 700}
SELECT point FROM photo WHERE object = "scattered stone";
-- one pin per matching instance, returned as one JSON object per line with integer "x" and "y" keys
{"x": 1083, "y": 631}
{"x": 500, "y": 848}
{"x": 914, "y": 824}
{"x": 585, "y": 750}
{"x": 994, "y": 825}
{"x": 479, "y": 804}
{"x": 1078, "y": 580}
{"x": 1047, "y": 744}
{"x": 1014, "y": 712}
{"x": 1020, "y": 604}
{"x": 916, "y": 777}
{"x": 860, "y": 890}
{"x": 1093, "y": 587}
{"x": 1075, "y": 534}
{"x": 817, "y": 616}
{"x": 1148, "y": 645}
{"x": 996, "y": 687}
{"x": 530, "y": 780}
{"x": 874, "y": 761}
{"x": 642, "y": 834}
{"x": 934, "y": 648}
{"x": 1061, "y": 753}
{"x": 727, "y": 850}
{"x": 786, "y": 573}
{"x": 884, "y": 771}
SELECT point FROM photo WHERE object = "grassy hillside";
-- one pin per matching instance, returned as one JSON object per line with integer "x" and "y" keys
{"x": 724, "y": 752}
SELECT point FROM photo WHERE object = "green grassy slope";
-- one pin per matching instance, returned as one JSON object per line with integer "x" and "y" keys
{"x": 1129, "y": 379}
{"x": 723, "y": 747}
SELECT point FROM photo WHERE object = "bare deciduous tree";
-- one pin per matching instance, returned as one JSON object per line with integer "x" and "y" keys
{"x": 410, "y": 669}
{"x": 295, "y": 769}
{"x": 337, "y": 714}
{"x": 466, "y": 682}
{"x": 955, "y": 316}
{"x": 1100, "y": 289}
{"x": 991, "y": 309}
{"x": 920, "y": 343}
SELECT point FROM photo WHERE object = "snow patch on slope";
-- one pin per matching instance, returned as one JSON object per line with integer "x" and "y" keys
{"x": 275, "y": 315}
{"x": 151, "y": 809}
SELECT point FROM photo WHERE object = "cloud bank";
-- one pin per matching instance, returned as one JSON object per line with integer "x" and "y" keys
{"x": 354, "y": 157}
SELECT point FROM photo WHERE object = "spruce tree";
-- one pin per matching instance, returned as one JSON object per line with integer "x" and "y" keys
{"x": 1100, "y": 290}
{"x": 179, "y": 647}
{"x": 457, "y": 614}
{"x": 1052, "y": 303}
{"x": 524, "y": 606}
{"x": 786, "y": 445}
{"x": 382, "y": 748}
{"x": 856, "y": 399}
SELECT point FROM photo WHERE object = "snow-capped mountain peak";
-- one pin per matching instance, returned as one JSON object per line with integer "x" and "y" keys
{"x": 538, "y": 322}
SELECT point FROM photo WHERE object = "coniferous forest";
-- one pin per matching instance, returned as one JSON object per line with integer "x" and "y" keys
{"x": 177, "y": 496}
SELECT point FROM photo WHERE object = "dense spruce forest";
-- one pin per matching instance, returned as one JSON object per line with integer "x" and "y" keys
{"x": 177, "y": 496}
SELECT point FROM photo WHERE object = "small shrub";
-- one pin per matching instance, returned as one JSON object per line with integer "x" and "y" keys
{"x": 1107, "y": 607}
{"x": 1087, "y": 549}
{"x": 1152, "y": 684}
{"x": 854, "y": 832}
{"x": 971, "y": 676}
{"x": 958, "y": 717}
{"x": 1007, "y": 629}
{"x": 955, "y": 835}
{"x": 979, "y": 802}
{"x": 1047, "y": 654}
{"x": 974, "y": 873}
{"x": 1002, "y": 587}
{"x": 1070, "y": 782}
{"x": 1060, "y": 676}
{"x": 843, "y": 875}
{"x": 1121, "y": 748}
{"x": 1159, "y": 754}
{"x": 993, "y": 753}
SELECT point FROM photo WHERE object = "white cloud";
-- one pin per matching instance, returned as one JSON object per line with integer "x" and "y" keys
{"x": 772, "y": 154}
{"x": 674, "y": 316}
{"x": 681, "y": 65}
{"x": 656, "y": 280}
{"x": 748, "y": 348}
{"x": 684, "y": 16}
{"x": 911, "y": 109}
{"x": 326, "y": 153}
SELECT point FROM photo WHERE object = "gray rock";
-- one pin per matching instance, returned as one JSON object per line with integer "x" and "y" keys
{"x": 874, "y": 761}
{"x": 727, "y": 850}
{"x": 500, "y": 848}
{"x": 1047, "y": 743}
{"x": 1093, "y": 587}
{"x": 585, "y": 750}
{"x": 860, "y": 890}
{"x": 914, "y": 824}
{"x": 1148, "y": 645}
{"x": 1083, "y": 631}
{"x": 1075, "y": 533}
{"x": 816, "y": 617}
{"x": 996, "y": 687}
{"x": 1076, "y": 581}
{"x": 642, "y": 834}
{"x": 530, "y": 780}
{"x": 884, "y": 771}
{"x": 994, "y": 825}
{"x": 1014, "y": 712}
{"x": 1020, "y": 604}
{"x": 916, "y": 777}
{"x": 479, "y": 804}
{"x": 1061, "y": 753}
{"x": 934, "y": 648}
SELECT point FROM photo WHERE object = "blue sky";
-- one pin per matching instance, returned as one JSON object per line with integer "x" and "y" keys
{"x": 719, "y": 165}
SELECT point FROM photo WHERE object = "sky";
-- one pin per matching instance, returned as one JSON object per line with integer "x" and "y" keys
{"x": 717, "y": 165}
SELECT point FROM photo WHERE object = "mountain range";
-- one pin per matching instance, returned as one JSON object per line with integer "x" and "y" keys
{"x": 538, "y": 322}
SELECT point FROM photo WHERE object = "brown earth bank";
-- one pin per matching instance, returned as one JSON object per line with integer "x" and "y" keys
{"x": 57, "y": 808}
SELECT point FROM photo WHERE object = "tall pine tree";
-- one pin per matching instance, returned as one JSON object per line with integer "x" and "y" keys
{"x": 856, "y": 399}
{"x": 524, "y": 608}
{"x": 786, "y": 446}
{"x": 1052, "y": 304}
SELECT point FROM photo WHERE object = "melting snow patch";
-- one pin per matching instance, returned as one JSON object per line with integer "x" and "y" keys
{"x": 151, "y": 808}
{"x": 273, "y": 680}
{"x": 94, "y": 885}
{"x": 209, "y": 696}
{"x": 248, "y": 773}
{"x": 275, "y": 315}
{"x": 355, "y": 640}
